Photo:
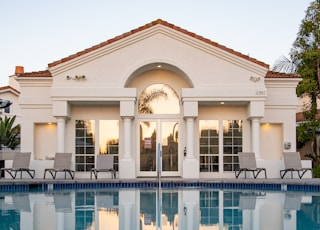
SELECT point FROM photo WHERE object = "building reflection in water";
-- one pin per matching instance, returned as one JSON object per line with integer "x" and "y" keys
{"x": 140, "y": 209}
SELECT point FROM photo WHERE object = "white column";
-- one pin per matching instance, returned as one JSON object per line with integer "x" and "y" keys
{"x": 255, "y": 137}
{"x": 61, "y": 124}
{"x": 127, "y": 138}
{"x": 190, "y": 139}
{"x": 190, "y": 163}
{"x": 127, "y": 163}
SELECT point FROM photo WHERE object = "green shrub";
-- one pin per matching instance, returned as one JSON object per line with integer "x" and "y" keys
{"x": 316, "y": 171}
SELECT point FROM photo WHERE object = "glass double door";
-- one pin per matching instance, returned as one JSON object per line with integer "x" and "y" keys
{"x": 159, "y": 148}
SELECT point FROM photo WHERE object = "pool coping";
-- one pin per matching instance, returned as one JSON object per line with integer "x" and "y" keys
{"x": 296, "y": 185}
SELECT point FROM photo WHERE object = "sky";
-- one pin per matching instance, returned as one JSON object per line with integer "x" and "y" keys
{"x": 34, "y": 33}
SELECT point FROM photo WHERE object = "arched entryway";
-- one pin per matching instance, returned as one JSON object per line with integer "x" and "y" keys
{"x": 158, "y": 120}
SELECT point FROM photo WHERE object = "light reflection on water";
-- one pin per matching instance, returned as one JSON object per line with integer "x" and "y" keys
{"x": 152, "y": 209}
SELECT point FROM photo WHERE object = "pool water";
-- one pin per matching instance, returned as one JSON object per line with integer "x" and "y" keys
{"x": 150, "y": 208}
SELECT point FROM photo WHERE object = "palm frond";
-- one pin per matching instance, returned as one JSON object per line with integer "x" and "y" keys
{"x": 285, "y": 65}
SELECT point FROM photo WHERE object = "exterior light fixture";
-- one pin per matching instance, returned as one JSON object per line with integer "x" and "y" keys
{"x": 76, "y": 77}
{"x": 4, "y": 103}
{"x": 159, "y": 66}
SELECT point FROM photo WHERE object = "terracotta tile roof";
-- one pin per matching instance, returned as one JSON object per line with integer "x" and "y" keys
{"x": 300, "y": 117}
{"x": 44, "y": 73}
{"x": 157, "y": 22}
{"x": 272, "y": 74}
{"x": 8, "y": 88}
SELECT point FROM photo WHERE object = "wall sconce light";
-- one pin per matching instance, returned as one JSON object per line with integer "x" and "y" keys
{"x": 254, "y": 79}
{"x": 4, "y": 103}
{"x": 287, "y": 145}
{"x": 76, "y": 77}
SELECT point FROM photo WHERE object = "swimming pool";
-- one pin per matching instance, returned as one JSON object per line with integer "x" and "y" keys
{"x": 132, "y": 206}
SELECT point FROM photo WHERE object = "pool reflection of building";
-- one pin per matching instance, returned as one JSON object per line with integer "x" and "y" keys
{"x": 137, "y": 209}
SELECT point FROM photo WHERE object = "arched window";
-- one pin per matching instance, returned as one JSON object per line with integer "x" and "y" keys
{"x": 159, "y": 99}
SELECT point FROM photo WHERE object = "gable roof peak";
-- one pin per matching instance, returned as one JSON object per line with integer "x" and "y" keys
{"x": 149, "y": 25}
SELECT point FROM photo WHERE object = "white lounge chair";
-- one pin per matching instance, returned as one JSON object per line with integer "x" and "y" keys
{"x": 292, "y": 163}
{"x": 21, "y": 162}
{"x": 104, "y": 164}
{"x": 62, "y": 163}
{"x": 247, "y": 163}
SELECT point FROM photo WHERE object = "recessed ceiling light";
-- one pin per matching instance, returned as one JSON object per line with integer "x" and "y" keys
{"x": 159, "y": 66}
{"x": 222, "y": 103}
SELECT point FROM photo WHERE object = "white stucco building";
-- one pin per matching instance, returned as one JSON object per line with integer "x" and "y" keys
{"x": 209, "y": 103}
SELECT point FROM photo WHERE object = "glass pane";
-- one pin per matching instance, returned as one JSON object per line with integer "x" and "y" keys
{"x": 204, "y": 141}
{"x": 148, "y": 134}
{"x": 80, "y": 141}
{"x": 89, "y": 167}
{"x": 80, "y": 167}
{"x": 108, "y": 136}
{"x": 227, "y": 141}
{"x": 237, "y": 149}
{"x": 209, "y": 145}
{"x": 80, "y": 132}
{"x": 227, "y": 159}
{"x": 109, "y": 139}
{"x": 203, "y": 150}
{"x": 169, "y": 138}
{"x": 232, "y": 141}
{"x": 79, "y": 159}
{"x": 89, "y": 141}
{"x": 214, "y": 150}
{"x": 90, "y": 159}
{"x": 90, "y": 150}
{"x": 159, "y": 99}
{"x": 227, "y": 167}
{"x": 214, "y": 159}
{"x": 214, "y": 141}
{"x": 208, "y": 128}
{"x": 237, "y": 140}
{"x": 84, "y": 141}
{"x": 227, "y": 150}
{"x": 79, "y": 150}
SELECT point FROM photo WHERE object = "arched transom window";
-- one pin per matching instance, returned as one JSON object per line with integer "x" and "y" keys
{"x": 159, "y": 99}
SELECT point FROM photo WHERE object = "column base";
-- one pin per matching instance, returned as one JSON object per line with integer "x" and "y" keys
{"x": 127, "y": 169}
{"x": 190, "y": 169}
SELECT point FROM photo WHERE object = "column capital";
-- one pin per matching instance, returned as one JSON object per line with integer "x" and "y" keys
{"x": 189, "y": 117}
{"x": 127, "y": 117}
{"x": 62, "y": 117}
{"x": 127, "y": 108}
{"x": 255, "y": 118}
{"x": 256, "y": 109}
{"x": 190, "y": 109}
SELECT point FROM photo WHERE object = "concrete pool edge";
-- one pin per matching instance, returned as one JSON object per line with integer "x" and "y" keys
{"x": 299, "y": 185}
